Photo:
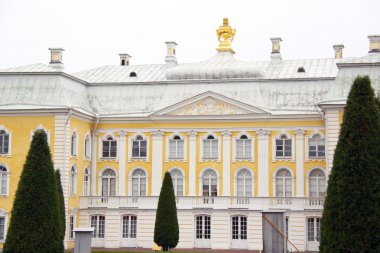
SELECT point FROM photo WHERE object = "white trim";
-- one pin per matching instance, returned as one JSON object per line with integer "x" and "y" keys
{"x": 40, "y": 127}
{"x": 289, "y": 136}
{"x": 130, "y": 145}
{"x": 167, "y": 143}
{"x": 8, "y": 175}
{"x": 183, "y": 176}
{"x": 4, "y": 215}
{"x": 308, "y": 177}
{"x": 87, "y": 135}
{"x": 2, "y": 127}
{"x": 201, "y": 158}
{"x": 130, "y": 180}
{"x": 235, "y": 180}
{"x": 307, "y": 138}
{"x": 88, "y": 182}
{"x": 234, "y": 148}
{"x": 226, "y": 162}
{"x": 300, "y": 162}
{"x": 122, "y": 150}
{"x": 100, "y": 181}
{"x": 72, "y": 214}
{"x": 201, "y": 181}
{"x": 100, "y": 151}
{"x": 74, "y": 152}
{"x": 73, "y": 194}
{"x": 157, "y": 159}
{"x": 274, "y": 179}
{"x": 263, "y": 162}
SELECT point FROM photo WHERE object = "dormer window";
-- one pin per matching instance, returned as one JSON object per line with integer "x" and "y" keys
{"x": 301, "y": 70}
{"x": 133, "y": 74}
{"x": 283, "y": 147}
{"x": 139, "y": 147}
{"x": 210, "y": 148}
{"x": 109, "y": 147}
{"x": 176, "y": 148}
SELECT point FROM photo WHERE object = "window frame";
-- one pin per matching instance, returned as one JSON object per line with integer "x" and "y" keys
{"x": 71, "y": 227}
{"x": 4, "y": 215}
{"x": 74, "y": 144}
{"x": 126, "y": 234}
{"x": 171, "y": 139}
{"x": 87, "y": 183}
{"x": 95, "y": 234}
{"x": 73, "y": 181}
{"x": 236, "y": 177}
{"x": 315, "y": 158}
{"x": 284, "y": 186}
{"x": 87, "y": 149}
{"x": 140, "y": 147}
{"x": 9, "y": 134}
{"x": 308, "y": 179}
{"x": 201, "y": 177}
{"x": 290, "y": 137}
{"x": 235, "y": 156}
{"x": 175, "y": 183}
{"x": 130, "y": 145}
{"x": 132, "y": 177}
{"x": 316, "y": 229}
{"x": 109, "y": 178}
{"x": 202, "y": 147}
{"x": 104, "y": 139}
{"x": 2, "y": 175}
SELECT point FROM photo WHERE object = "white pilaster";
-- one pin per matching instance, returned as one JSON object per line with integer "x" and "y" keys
{"x": 157, "y": 162}
{"x": 226, "y": 162}
{"x": 192, "y": 161}
{"x": 332, "y": 135}
{"x": 93, "y": 163}
{"x": 263, "y": 162}
{"x": 122, "y": 161}
{"x": 300, "y": 162}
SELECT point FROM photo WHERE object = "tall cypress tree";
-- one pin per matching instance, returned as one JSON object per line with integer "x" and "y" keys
{"x": 34, "y": 225}
{"x": 351, "y": 215}
{"x": 61, "y": 204}
{"x": 166, "y": 230}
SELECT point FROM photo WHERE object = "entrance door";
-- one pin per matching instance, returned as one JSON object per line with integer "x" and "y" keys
{"x": 239, "y": 232}
{"x": 313, "y": 233}
{"x": 202, "y": 231}
{"x": 129, "y": 231}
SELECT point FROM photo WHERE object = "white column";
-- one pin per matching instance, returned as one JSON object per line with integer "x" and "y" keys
{"x": 332, "y": 135}
{"x": 93, "y": 163}
{"x": 122, "y": 161}
{"x": 192, "y": 162}
{"x": 263, "y": 162}
{"x": 226, "y": 162}
{"x": 300, "y": 162}
{"x": 157, "y": 160}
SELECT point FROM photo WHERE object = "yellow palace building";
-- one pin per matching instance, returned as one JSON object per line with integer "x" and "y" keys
{"x": 237, "y": 137}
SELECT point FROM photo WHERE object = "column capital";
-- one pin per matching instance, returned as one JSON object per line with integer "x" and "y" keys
{"x": 299, "y": 133}
{"x": 192, "y": 133}
{"x": 158, "y": 133}
{"x": 226, "y": 133}
{"x": 263, "y": 133}
{"x": 123, "y": 133}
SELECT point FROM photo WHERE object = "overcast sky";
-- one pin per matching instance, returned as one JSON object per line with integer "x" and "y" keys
{"x": 93, "y": 33}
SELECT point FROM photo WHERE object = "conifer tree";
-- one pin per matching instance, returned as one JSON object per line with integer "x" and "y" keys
{"x": 166, "y": 230}
{"x": 34, "y": 225}
{"x": 351, "y": 215}
{"x": 61, "y": 204}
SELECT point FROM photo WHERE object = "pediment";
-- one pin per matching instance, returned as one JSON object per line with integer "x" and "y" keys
{"x": 209, "y": 104}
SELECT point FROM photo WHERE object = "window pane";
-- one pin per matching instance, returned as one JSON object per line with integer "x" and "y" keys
{"x": 142, "y": 187}
{"x": 135, "y": 187}
{"x": 125, "y": 226}
{"x": 206, "y": 149}
{"x": 101, "y": 226}
{"x": 3, "y": 183}
{"x": 133, "y": 226}
{"x": 106, "y": 149}
{"x": 94, "y": 222}
{"x": 214, "y": 149}
{"x": 310, "y": 229}
{"x": 2, "y": 228}
{"x": 243, "y": 228}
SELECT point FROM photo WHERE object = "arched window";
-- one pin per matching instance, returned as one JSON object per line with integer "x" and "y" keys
{"x": 109, "y": 147}
{"x": 4, "y": 142}
{"x": 139, "y": 147}
{"x": 133, "y": 74}
{"x": 209, "y": 183}
{"x": 87, "y": 147}
{"x": 176, "y": 148}
{"x": 86, "y": 182}
{"x": 3, "y": 180}
{"x": 177, "y": 178}
{"x": 244, "y": 181}
{"x": 73, "y": 181}
{"x": 109, "y": 183}
{"x": 210, "y": 148}
{"x": 284, "y": 183}
{"x": 316, "y": 146}
{"x": 283, "y": 146}
{"x": 139, "y": 183}
{"x": 243, "y": 147}
{"x": 317, "y": 183}
{"x": 74, "y": 142}
{"x": 301, "y": 70}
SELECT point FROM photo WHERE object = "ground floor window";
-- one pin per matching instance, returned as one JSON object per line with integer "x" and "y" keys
{"x": 71, "y": 228}
{"x": 129, "y": 226}
{"x": 2, "y": 228}
{"x": 287, "y": 227}
{"x": 313, "y": 229}
{"x": 203, "y": 227}
{"x": 98, "y": 223}
{"x": 239, "y": 227}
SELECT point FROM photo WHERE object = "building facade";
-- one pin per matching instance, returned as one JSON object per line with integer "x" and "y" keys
{"x": 237, "y": 137}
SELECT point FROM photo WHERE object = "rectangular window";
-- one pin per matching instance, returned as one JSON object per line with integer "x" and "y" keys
{"x": 176, "y": 149}
{"x": 71, "y": 228}
{"x": 313, "y": 229}
{"x": 3, "y": 183}
{"x": 98, "y": 223}
{"x": 2, "y": 228}
{"x": 210, "y": 149}
{"x": 129, "y": 226}
{"x": 243, "y": 149}
{"x": 139, "y": 148}
{"x": 317, "y": 148}
{"x": 87, "y": 148}
{"x": 4, "y": 143}
{"x": 283, "y": 147}
{"x": 109, "y": 149}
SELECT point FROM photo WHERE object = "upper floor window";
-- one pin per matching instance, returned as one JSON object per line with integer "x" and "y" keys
{"x": 3, "y": 180}
{"x": 87, "y": 147}
{"x": 283, "y": 146}
{"x": 86, "y": 182}
{"x": 177, "y": 179}
{"x": 98, "y": 222}
{"x": 74, "y": 144}
{"x": 210, "y": 148}
{"x": 209, "y": 183}
{"x": 243, "y": 147}
{"x": 109, "y": 147}
{"x": 109, "y": 183}
{"x": 139, "y": 147}
{"x": 317, "y": 183}
{"x": 4, "y": 142}
{"x": 176, "y": 148}
{"x": 316, "y": 146}
{"x": 244, "y": 182}
{"x": 284, "y": 183}
{"x": 73, "y": 181}
{"x": 139, "y": 183}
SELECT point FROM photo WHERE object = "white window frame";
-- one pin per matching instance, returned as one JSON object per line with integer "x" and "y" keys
{"x": 235, "y": 158}
{"x": 86, "y": 184}
{"x": 74, "y": 144}
{"x": 7, "y": 175}
{"x": 201, "y": 182}
{"x": 96, "y": 231}
{"x": 73, "y": 180}
{"x": 87, "y": 157}
{"x": 201, "y": 145}
{"x": 104, "y": 138}
{"x": 275, "y": 158}
{"x": 130, "y": 145}
{"x": 317, "y": 158}
{"x": 167, "y": 156}
{"x": 40, "y": 127}
{"x": 183, "y": 178}
{"x": 274, "y": 176}
{"x": 130, "y": 182}
{"x": 71, "y": 226}
{"x": 100, "y": 181}
{"x": 129, "y": 227}
{"x": 139, "y": 146}
{"x": 4, "y": 214}
{"x": 10, "y": 141}
{"x": 315, "y": 229}
{"x": 236, "y": 181}
{"x": 308, "y": 181}
{"x": 239, "y": 217}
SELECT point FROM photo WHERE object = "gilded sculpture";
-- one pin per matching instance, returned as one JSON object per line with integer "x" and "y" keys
{"x": 225, "y": 35}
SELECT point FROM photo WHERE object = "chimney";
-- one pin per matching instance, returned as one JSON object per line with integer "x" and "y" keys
{"x": 338, "y": 51}
{"x": 170, "y": 58}
{"x": 124, "y": 59}
{"x": 56, "y": 58}
{"x": 276, "y": 49}
{"x": 374, "y": 43}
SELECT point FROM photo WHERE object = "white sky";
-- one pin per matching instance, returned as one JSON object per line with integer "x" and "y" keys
{"x": 93, "y": 33}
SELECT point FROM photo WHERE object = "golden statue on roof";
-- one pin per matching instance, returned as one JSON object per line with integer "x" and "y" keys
{"x": 225, "y": 35}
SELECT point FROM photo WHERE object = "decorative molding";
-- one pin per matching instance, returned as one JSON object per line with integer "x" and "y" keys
{"x": 158, "y": 133}
{"x": 192, "y": 133}
{"x": 262, "y": 133}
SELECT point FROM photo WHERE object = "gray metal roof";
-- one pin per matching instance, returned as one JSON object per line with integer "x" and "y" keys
{"x": 38, "y": 68}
